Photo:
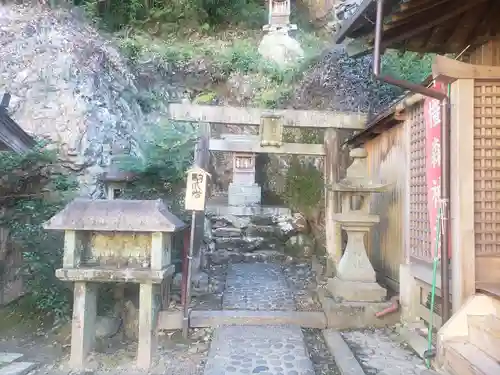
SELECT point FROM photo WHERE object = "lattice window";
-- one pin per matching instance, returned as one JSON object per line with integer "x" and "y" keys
{"x": 487, "y": 167}
{"x": 419, "y": 218}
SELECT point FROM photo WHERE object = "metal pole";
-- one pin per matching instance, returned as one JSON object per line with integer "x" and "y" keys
{"x": 187, "y": 302}
{"x": 445, "y": 201}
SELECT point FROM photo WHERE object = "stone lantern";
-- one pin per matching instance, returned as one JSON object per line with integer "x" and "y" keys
{"x": 355, "y": 279}
{"x": 115, "y": 179}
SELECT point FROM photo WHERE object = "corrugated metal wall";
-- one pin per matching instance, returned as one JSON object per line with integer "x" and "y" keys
{"x": 388, "y": 163}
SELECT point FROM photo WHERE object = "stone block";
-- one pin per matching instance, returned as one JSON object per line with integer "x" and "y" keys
{"x": 6, "y": 357}
{"x": 227, "y": 232}
{"x": 244, "y": 195}
{"x": 262, "y": 231}
{"x": 344, "y": 357}
{"x": 246, "y": 211}
{"x": 306, "y": 319}
{"x": 356, "y": 315}
{"x": 18, "y": 368}
{"x": 169, "y": 320}
{"x": 356, "y": 291}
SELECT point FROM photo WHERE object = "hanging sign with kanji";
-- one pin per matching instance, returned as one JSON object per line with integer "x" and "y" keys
{"x": 196, "y": 189}
{"x": 432, "y": 118}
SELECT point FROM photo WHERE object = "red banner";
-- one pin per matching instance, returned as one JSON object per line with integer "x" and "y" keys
{"x": 432, "y": 118}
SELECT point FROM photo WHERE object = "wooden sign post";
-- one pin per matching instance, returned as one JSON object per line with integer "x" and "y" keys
{"x": 195, "y": 201}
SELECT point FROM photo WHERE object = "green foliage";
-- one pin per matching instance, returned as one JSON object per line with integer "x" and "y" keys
{"x": 304, "y": 187}
{"x": 204, "y": 14}
{"x": 409, "y": 66}
{"x": 168, "y": 151}
{"x": 31, "y": 191}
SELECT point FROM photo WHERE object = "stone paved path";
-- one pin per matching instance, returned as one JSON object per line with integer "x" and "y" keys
{"x": 257, "y": 286}
{"x": 264, "y": 350}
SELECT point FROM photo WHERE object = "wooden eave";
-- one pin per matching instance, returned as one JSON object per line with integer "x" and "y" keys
{"x": 424, "y": 26}
{"x": 11, "y": 134}
{"x": 378, "y": 125}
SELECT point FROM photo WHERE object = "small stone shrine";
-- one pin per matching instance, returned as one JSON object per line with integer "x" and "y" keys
{"x": 243, "y": 191}
{"x": 114, "y": 177}
{"x": 355, "y": 285}
{"x": 122, "y": 241}
{"x": 277, "y": 44}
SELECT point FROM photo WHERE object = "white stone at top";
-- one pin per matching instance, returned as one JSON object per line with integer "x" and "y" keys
{"x": 277, "y": 45}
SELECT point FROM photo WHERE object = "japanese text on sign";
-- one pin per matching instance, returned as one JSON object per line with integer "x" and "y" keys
{"x": 432, "y": 119}
{"x": 196, "y": 189}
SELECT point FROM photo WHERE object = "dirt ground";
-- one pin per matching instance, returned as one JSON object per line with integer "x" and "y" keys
{"x": 111, "y": 357}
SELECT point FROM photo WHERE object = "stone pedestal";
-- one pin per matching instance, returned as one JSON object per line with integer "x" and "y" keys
{"x": 244, "y": 195}
{"x": 243, "y": 191}
{"x": 356, "y": 290}
{"x": 83, "y": 325}
{"x": 356, "y": 279}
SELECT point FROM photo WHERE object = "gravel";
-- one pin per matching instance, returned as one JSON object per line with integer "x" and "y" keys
{"x": 302, "y": 282}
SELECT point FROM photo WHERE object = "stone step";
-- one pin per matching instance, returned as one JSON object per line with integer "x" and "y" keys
{"x": 6, "y": 357}
{"x": 170, "y": 320}
{"x": 223, "y": 257}
{"x": 9, "y": 364}
{"x": 344, "y": 357}
{"x": 463, "y": 358}
{"x": 18, "y": 368}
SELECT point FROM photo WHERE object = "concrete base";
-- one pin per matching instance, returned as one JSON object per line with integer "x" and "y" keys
{"x": 244, "y": 195}
{"x": 356, "y": 291}
{"x": 355, "y": 315}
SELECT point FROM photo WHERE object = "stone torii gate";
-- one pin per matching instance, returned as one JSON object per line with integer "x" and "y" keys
{"x": 243, "y": 190}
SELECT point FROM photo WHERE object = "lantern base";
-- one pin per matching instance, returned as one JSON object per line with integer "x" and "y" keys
{"x": 356, "y": 291}
{"x": 244, "y": 195}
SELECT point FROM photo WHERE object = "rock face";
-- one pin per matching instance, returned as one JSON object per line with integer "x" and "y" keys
{"x": 70, "y": 85}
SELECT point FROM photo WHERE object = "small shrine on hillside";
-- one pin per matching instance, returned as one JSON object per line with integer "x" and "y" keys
{"x": 277, "y": 44}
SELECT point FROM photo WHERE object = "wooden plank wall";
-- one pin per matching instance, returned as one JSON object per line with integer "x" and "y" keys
{"x": 388, "y": 163}
{"x": 487, "y": 54}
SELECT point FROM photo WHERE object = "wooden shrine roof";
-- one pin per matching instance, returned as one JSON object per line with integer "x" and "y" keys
{"x": 117, "y": 215}
{"x": 12, "y": 136}
{"x": 424, "y": 26}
